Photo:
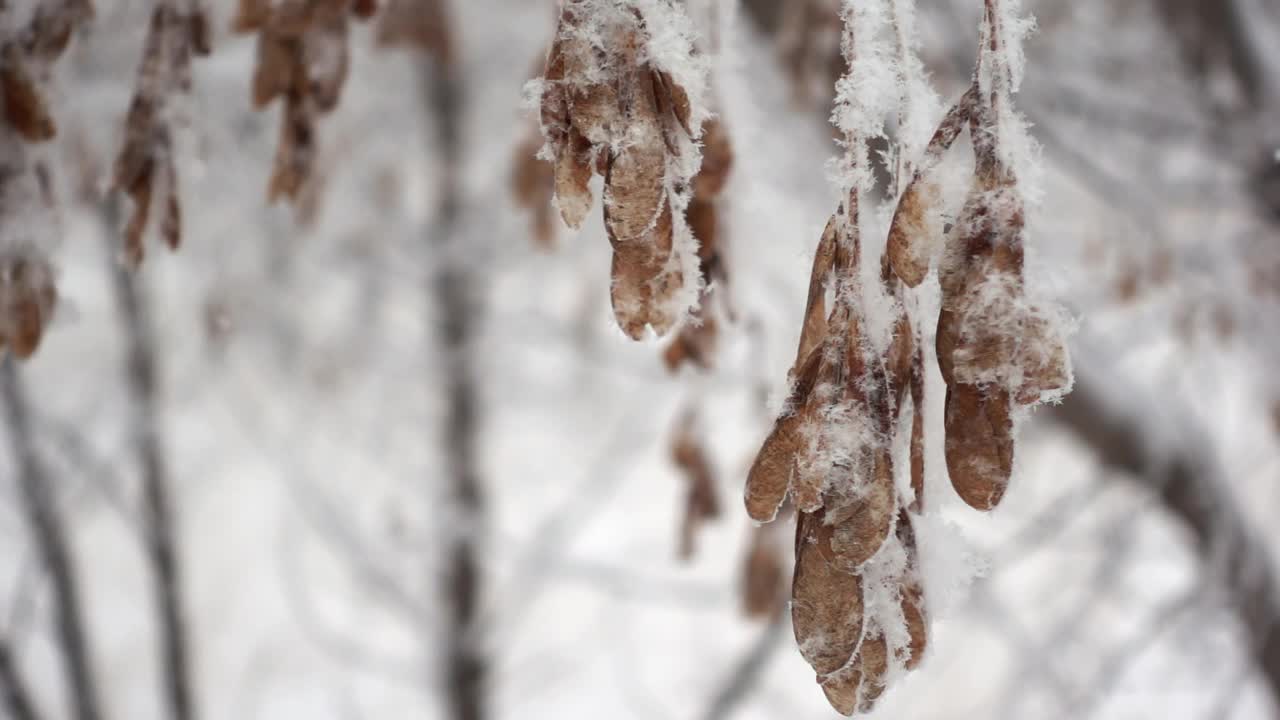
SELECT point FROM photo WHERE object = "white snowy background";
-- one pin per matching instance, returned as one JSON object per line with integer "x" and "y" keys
{"x": 303, "y": 445}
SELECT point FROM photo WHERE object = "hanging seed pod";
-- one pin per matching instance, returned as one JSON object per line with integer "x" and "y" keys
{"x": 303, "y": 60}
{"x": 702, "y": 501}
{"x": 696, "y": 340}
{"x": 826, "y": 604}
{"x": 24, "y": 106}
{"x": 763, "y": 578}
{"x": 605, "y": 109}
{"x": 145, "y": 168}
{"x": 832, "y": 450}
{"x": 917, "y": 219}
{"x": 874, "y": 657}
{"x": 853, "y": 529}
{"x": 418, "y": 24}
{"x": 771, "y": 472}
{"x": 27, "y": 301}
{"x": 979, "y": 443}
{"x": 841, "y": 687}
{"x": 533, "y": 186}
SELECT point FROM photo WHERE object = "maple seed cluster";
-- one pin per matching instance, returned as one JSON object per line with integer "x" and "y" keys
{"x": 831, "y": 449}
{"x": 303, "y": 59}
{"x": 145, "y": 168}
{"x": 28, "y": 294}
{"x": 998, "y": 350}
{"x": 831, "y": 452}
{"x": 605, "y": 110}
{"x": 696, "y": 341}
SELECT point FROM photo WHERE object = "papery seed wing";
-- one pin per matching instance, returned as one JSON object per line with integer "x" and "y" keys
{"x": 24, "y": 106}
{"x": 854, "y": 528}
{"x": 875, "y": 666}
{"x": 573, "y": 180}
{"x": 762, "y": 574}
{"x": 770, "y": 474}
{"x": 915, "y": 221}
{"x": 911, "y": 597}
{"x": 841, "y": 687}
{"x": 278, "y": 70}
{"x": 979, "y": 443}
{"x": 826, "y": 604}
{"x": 814, "y": 329}
{"x": 325, "y": 57}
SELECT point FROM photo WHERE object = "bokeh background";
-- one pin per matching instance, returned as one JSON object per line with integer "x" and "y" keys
{"x": 413, "y": 470}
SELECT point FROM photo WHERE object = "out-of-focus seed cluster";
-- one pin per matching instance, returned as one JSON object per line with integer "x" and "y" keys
{"x": 28, "y": 292}
{"x": 831, "y": 453}
{"x": 999, "y": 350}
{"x": 608, "y": 110}
{"x": 416, "y": 24}
{"x": 858, "y": 603}
{"x": 809, "y": 44}
{"x": 702, "y": 500}
{"x": 303, "y": 60}
{"x": 696, "y": 341}
{"x": 145, "y": 169}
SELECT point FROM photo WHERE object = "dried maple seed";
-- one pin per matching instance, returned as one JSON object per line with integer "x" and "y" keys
{"x": 826, "y": 604}
{"x": 606, "y": 110}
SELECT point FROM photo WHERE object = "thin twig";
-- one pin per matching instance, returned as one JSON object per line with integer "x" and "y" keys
{"x": 745, "y": 676}
{"x": 17, "y": 698}
{"x": 50, "y": 539}
{"x": 160, "y": 536}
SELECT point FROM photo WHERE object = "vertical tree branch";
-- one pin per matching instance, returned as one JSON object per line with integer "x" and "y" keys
{"x": 455, "y": 311}
{"x": 50, "y": 540}
{"x": 160, "y": 535}
{"x": 744, "y": 678}
{"x": 16, "y": 696}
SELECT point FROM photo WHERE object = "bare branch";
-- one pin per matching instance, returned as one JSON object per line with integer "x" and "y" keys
{"x": 50, "y": 538}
